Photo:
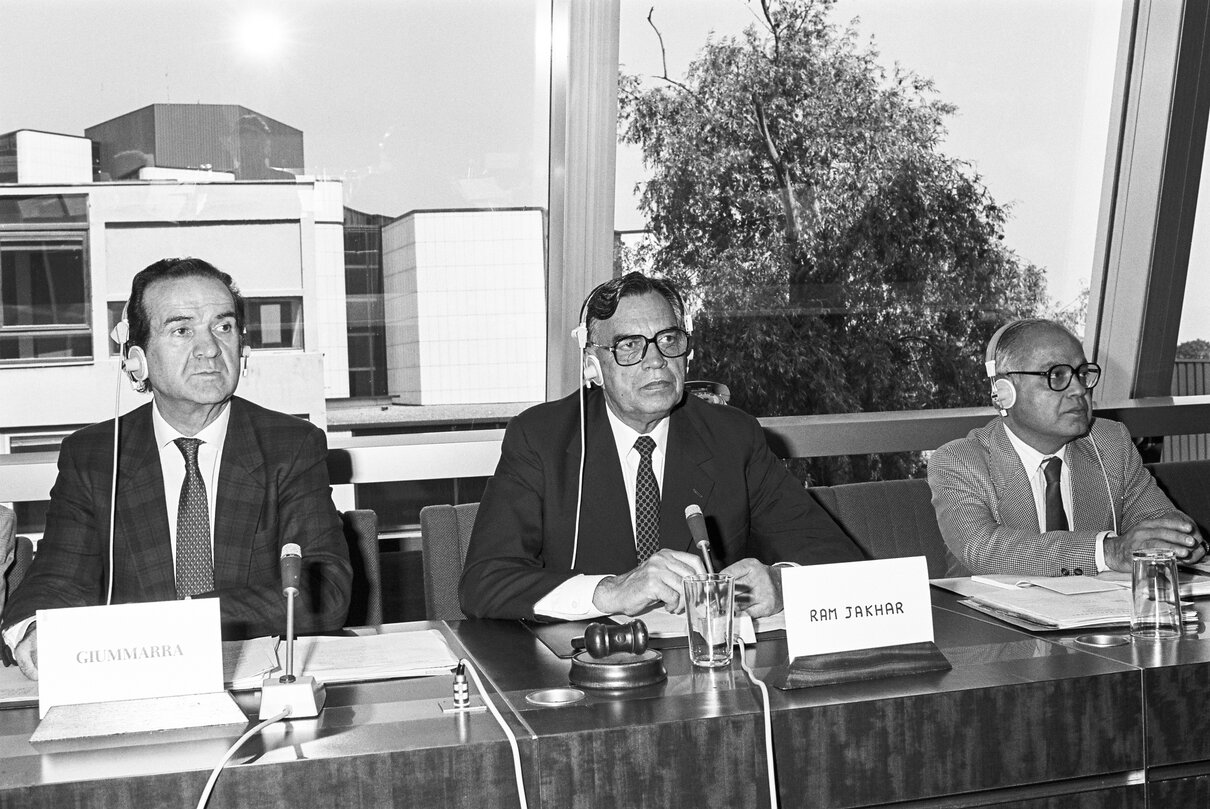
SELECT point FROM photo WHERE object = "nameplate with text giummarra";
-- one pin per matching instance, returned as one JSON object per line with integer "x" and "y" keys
{"x": 129, "y": 654}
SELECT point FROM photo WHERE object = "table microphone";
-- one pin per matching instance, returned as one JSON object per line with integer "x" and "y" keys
{"x": 300, "y": 696}
{"x": 697, "y": 529}
{"x": 291, "y": 572}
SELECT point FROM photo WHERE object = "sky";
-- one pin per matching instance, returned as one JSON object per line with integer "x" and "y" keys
{"x": 442, "y": 103}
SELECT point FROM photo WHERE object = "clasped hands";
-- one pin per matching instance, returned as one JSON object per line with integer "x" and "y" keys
{"x": 657, "y": 582}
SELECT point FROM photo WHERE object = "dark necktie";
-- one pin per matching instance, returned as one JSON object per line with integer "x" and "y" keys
{"x": 194, "y": 559}
{"x": 646, "y": 502}
{"x": 1056, "y": 517}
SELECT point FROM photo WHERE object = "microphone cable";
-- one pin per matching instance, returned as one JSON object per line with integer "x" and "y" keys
{"x": 248, "y": 734}
{"x": 512, "y": 738}
{"x": 764, "y": 695}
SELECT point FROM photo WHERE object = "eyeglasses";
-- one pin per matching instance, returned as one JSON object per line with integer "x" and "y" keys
{"x": 630, "y": 349}
{"x": 1059, "y": 377}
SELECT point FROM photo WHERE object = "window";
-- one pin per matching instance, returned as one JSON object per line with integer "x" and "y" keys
{"x": 274, "y": 322}
{"x": 880, "y": 189}
{"x": 43, "y": 298}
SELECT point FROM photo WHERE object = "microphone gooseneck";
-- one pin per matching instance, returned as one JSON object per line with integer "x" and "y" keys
{"x": 697, "y": 529}
{"x": 291, "y": 570}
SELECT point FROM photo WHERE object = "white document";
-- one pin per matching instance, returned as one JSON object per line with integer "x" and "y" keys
{"x": 1067, "y": 585}
{"x": 856, "y": 605}
{"x": 246, "y": 662}
{"x": 128, "y": 651}
{"x": 371, "y": 657}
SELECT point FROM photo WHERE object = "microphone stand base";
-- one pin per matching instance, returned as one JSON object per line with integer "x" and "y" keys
{"x": 304, "y": 697}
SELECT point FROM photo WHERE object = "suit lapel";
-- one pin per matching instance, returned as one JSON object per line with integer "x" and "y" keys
{"x": 1088, "y": 494}
{"x": 1014, "y": 492}
{"x": 241, "y": 495}
{"x": 606, "y": 532}
{"x": 686, "y": 480}
{"x": 141, "y": 522}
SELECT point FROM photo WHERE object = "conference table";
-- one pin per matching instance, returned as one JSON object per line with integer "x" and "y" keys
{"x": 1021, "y": 720}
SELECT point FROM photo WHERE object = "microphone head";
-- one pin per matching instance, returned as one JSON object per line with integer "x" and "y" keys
{"x": 692, "y": 509}
{"x": 291, "y": 568}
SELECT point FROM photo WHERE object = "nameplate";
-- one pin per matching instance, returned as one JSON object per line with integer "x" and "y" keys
{"x": 856, "y": 605}
{"x": 128, "y": 651}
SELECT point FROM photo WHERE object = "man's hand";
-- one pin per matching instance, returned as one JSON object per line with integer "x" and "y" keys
{"x": 26, "y": 653}
{"x": 1173, "y": 531}
{"x": 656, "y": 581}
{"x": 757, "y": 588}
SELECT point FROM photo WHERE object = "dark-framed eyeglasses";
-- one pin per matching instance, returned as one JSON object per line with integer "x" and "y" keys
{"x": 1059, "y": 377}
{"x": 630, "y": 349}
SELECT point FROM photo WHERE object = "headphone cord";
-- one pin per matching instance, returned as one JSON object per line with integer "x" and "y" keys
{"x": 575, "y": 542}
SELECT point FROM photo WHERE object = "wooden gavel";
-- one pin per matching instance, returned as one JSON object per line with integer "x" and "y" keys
{"x": 602, "y": 640}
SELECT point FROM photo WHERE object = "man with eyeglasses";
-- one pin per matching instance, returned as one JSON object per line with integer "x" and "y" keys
{"x": 556, "y": 541}
{"x": 1047, "y": 489}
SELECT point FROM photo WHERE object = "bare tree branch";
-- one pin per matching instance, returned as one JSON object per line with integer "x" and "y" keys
{"x": 664, "y": 60}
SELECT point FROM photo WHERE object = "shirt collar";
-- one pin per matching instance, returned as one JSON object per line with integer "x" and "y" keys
{"x": 625, "y": 436}
{"x": 1031, "y": 459}
{"x": 212, "y": 433}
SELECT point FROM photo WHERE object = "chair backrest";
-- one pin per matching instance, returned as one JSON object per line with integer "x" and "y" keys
{"x": 361, "y": 532}
{"x": 888, "y": 519}
{"x": 445, "y": 534}
{"x": 1187, "y": 484}
{"x": 8, "y": 545}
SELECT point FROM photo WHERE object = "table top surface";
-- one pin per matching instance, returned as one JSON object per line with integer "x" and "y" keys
{"x": 402, "y": 716}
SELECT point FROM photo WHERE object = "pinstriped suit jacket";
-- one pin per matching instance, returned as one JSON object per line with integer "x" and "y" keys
{"x": 985, "y": 506}
{"x": 272, "y": 489}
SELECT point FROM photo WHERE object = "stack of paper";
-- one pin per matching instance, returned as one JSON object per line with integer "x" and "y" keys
{"x": 332, "y": 659}
{"x": 1057, "y": 610}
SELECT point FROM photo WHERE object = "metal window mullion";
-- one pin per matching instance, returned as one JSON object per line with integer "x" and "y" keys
{"x": 1148, "y": 226}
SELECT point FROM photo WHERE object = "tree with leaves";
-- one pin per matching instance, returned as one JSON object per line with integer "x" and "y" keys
{"x": 835, "y": 258}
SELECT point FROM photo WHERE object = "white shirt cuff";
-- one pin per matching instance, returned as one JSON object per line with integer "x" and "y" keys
{"x": 16, "y": 633}
{"x": 1100, "y": 550}
{"x": 571, "y": 600}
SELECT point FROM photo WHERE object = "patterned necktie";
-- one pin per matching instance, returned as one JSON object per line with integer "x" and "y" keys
{"x": 1056, "y": 517}
{"x": 194, "y": 561}
{"x": 646, "y": 502}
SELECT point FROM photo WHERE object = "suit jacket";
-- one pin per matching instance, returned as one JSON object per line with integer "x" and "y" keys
{"x": 272, "y": 489}
{"x": 717, "y": 457}
{"x": 985, "y": 504}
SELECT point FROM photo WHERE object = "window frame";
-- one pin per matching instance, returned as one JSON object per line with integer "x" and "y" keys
{"x": 74, "y": 235}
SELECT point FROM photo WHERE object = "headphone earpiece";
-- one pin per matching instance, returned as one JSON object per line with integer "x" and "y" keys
{"x": 592, "y": 371}
{"x": 135, "y": 364}
{"x": 245, "y": 352}
{"x": 1004, "y": 394}
{"x": 580, "y": 335}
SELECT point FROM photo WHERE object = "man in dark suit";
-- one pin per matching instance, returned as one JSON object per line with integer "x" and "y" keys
{"x": 1046, "y": 489}
{"x": 547, "y": 545}
{"x": 209, "y": 489}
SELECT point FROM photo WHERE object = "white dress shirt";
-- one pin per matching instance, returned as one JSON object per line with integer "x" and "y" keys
{"x": 572, "y": 600}
{"x": 1034, "y": 463}
{"x": 172, "y": 464}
